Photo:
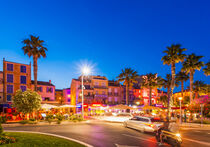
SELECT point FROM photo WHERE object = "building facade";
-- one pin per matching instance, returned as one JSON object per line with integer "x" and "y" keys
{"x": 63, "y": 96}
{"x": 15, "y": 76}
{"x": 46, "y": 90}
{"x": 95, "y": 90}
{"x": 1, "y": 87}
{"x": 115, "y": 92}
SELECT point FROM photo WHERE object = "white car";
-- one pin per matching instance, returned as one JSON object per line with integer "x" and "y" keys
{"x": 144, "y": 124}
{"x": 118, "y": 117}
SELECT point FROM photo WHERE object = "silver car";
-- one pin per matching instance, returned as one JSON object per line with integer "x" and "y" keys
{"x": 144, "y": 124}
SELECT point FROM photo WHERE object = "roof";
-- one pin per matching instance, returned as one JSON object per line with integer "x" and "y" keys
{"x": 42, "y": 83}
{"x": 1, "y": 71}
{"x": 113, "y": 83}
{"x": 15, "y": 62}
{"x": 58, "y": 90}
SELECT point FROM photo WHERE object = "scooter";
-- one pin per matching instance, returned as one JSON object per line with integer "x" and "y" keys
{"x": 173, "y": 139}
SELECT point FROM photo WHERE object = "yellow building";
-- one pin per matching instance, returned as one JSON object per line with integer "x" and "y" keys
{"x": 95, "y": 90}
{"x": 15, "y": 76}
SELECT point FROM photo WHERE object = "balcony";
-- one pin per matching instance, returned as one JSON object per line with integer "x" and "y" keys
{"x": 100, "y": 87}
{"x": 100, "y": 95}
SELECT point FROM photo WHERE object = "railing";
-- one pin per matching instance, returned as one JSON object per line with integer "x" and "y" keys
{"x": 101, "y": 87}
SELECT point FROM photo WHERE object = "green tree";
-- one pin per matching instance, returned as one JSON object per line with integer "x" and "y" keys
{"x": 174, "y": 54}
{"x": 151, "y": 81}
{"x": 34, "y": 47}
{"x": 128, "y": 77}
{"x": 167, "y": 84}
{"x": 164, "y": 100}
{"x": 207, "y": 69}
{"x": 199, "y": 87}
{"x": 182, "y": 77}
{"x": 27, "y": 101}
{"x": 191, "y": 64}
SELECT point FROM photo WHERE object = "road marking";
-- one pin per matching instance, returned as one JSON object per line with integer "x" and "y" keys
{"x": 67, "y": 138}
{"x": 200, "y": 142}
{"x": 197, "y": 131}
{"x": 139, "y": 138}
{"x": 117, "y": 145}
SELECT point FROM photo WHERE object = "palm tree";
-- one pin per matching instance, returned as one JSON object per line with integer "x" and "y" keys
{"x": 207, "y": 69}
{"x": 167, "y": 84}
{"x": 182, "y": 77}
{"x": 164, "y": 100}
{"x": 191, "y": 64}
{"x": 151, "y": 81}
{"x": 128, "y": 77}
{"x": 199, "y": 87}
{"x": 174, "y": 54}
{"x": 34, "y": 47}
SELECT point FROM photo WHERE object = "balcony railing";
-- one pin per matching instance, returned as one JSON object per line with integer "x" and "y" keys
{"x": 101, "y": 87}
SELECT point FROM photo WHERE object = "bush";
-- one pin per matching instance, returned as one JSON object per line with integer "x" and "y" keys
{"x": 24, "y": 122}
{"x": 49, "y": 118}
{"x": 6, "y": 140}
{"x": 1, "y": 129}
{"x": 76, "y": 118}
{"x": 32, "y": 119}
{"x": 3, "y": 119}
{"x": 204, "y": 121}
{"x": 59, "y": 118}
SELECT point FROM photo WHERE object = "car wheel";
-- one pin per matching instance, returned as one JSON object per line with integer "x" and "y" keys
{"x": 142, "y": 130}
{"x": 125, "y": 124}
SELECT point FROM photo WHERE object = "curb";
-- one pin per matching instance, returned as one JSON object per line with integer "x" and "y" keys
{"x": 49, "y": 134}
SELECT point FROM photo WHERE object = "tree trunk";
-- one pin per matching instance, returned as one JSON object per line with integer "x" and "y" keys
{"x": 191, "y": 87}
{"x": 35, "y": 73}
{"x": 172, "y": 82}
{"x": 169, "y": 106}
{"x": 182, "y": 88}
{"x": 150, "y": 96}
{"x": 127, "y": 94}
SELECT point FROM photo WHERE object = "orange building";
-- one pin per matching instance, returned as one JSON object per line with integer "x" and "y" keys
{"x": 46, "y": 90}
{"x": 1, "y": 86}
{"x": 15, "y": 76}
{"x": 95, "y": 90}
{"x": 115, "y": 92}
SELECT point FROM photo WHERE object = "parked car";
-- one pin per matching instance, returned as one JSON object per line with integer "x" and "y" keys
{"x": 144, "y": 124}
{"x": 117, "y": 117}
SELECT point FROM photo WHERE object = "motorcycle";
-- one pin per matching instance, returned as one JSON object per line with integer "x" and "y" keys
{"x": 173, "y": 139}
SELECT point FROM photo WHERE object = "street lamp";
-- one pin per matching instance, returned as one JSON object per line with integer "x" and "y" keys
{"x": 85, "y": 72}
{"x": 180, "y": 103}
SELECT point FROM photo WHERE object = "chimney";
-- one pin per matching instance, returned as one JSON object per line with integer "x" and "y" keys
{"x": 50, "y": 81}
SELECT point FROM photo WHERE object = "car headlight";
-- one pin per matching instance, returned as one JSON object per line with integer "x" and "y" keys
{"x": 178, "y": 135}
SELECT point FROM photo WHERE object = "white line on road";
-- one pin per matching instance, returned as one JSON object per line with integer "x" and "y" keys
{"x": 196, "y": 141}
{"x": 117, "y": 145}
{"x": 139, "y": 138}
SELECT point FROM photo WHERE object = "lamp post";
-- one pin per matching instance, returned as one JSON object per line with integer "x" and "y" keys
{"x": 85, "y": 71}
{"x": 180, "y": 103}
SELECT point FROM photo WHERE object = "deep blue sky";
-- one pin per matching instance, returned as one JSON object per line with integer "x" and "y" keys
{"x": 111, "y": 34}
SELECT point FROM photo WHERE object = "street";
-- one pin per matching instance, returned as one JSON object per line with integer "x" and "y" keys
{"x": 104, "y": 134}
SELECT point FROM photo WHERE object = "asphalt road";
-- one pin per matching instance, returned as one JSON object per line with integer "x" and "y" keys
{"x": 103, "y": 134}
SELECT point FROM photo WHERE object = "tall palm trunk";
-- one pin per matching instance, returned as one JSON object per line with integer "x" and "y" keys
{"x": 150, "y": 96}
{"x": 127, "y": 94}
{"x": 172, "y": 82}
{"x": 191, "y": 87}
{"x": 35, "y": 73}
{"x": 168, "y": 93}
{"x": 182, "y": 84}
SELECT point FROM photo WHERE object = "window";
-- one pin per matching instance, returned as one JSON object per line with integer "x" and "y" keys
{"x": 23, "y": 79}
{"x": 23, "y": 69}
{"x": 46, "y": 98}
{"x": 49, "y": 89}
{"x": 110, "y": 99}
{"x": 96, "y": 92}
{"x": 9, "y": 98}
{"x": 96, "y": 83}
{"x": 9, "y": 67}
{"x": 9, "y": 78}
{"x": 115, "y": 99}
{"x": 103, "y": 84}
{"x": 9, "y": 88}
{"x": 39, "y": 89}
{"x": 23, "y": 88}
{"x": 103, "y": 92}
{"x": 69, "y": 100}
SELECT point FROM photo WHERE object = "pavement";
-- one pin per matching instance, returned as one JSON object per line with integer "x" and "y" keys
{"x": 105, "y": 134}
